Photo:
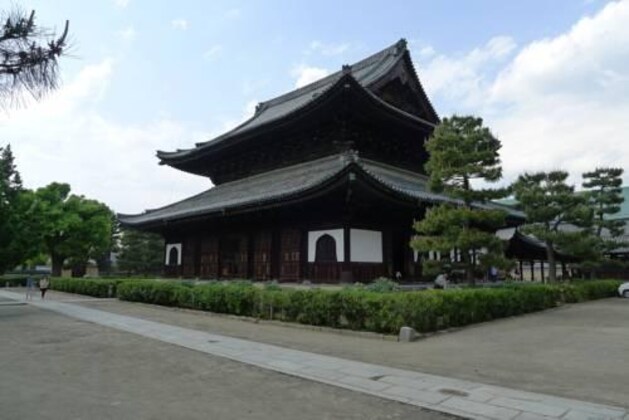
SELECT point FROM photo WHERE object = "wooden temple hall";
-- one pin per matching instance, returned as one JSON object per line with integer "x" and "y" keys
{"x": 322, "y": 183}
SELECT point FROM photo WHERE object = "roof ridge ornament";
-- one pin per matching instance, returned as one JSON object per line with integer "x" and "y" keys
{"x": 400, "y": 46}
{"x": 346, "y": 69}
{"x": 349, "y": 156}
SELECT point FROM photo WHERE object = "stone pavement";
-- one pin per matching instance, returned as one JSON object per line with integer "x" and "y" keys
{"x": 453, "y": 396}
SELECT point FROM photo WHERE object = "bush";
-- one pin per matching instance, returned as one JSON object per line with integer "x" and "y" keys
{"x": 382, "y": 285}
{"x": 354, "y": 308}
{"x": 91, "y": 287}
{"x": 14, "y": 280}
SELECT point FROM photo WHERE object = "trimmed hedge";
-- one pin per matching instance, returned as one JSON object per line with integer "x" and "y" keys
{"x": 91, "y": 287}
{"x": 14, "y": 280}
{"x": 357, "y": 309}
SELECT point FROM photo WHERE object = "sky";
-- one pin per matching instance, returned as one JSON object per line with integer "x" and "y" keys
{"x": 550, "y": 78}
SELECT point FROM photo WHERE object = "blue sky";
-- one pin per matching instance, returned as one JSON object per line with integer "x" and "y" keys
{"x": 148, "y": 75}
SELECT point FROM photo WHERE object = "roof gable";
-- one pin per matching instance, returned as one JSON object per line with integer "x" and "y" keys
{"x": 372, "y": 73}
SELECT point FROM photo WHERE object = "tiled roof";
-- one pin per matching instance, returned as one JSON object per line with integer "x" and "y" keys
{"x": 285, "y": 183}
{"x": 366, "y": 72}
{"x": 257, "y": 189}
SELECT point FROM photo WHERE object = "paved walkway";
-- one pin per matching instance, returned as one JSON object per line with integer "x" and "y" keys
{"x": 453, "y": 396}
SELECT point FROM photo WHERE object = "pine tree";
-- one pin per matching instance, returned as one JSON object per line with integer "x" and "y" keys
{"x": 604, "y": 195}
{"x": 141, "y": 252}
{"x": 11, "y": 250}
{"x": 550, "y": 205}
{"x": 463, "y": 150}
{"x": 28, "y": 56}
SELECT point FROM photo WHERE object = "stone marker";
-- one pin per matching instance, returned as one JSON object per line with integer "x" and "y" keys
{"x": 407, "y": 334}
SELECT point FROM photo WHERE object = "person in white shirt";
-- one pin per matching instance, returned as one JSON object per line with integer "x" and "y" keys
{"x": 441, "y": 282}
{"x": 44, "y": 283}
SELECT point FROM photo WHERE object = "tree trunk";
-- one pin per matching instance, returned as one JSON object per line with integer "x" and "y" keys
{"x": 469, "y": 269}
{"x": 552, "y": 263}
{"x": 57, "y": 264}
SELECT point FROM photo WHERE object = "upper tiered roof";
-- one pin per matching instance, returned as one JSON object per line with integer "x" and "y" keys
{"x": 370, "y": 73}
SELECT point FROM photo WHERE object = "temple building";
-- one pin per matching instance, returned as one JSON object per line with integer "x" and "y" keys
{"x": 322, "y": 183}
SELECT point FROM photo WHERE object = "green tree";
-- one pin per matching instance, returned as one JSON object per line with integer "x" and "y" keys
{"x": 604, "y": 193}
{"x": 10, "y": 190}
{"x": 28, "y": 56}
{"x": 551, "y": 207}
{"x": 141, "y": 252}
{"x": 72, "y": 228}
{"x": 463, "y": 150}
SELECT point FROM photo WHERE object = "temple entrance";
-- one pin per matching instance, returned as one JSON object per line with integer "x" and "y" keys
{"x": 262, "y": 256}
{"x": 234, "y": 256}
{"x": 209, "y": 258}
{"x": 289, "y": 254}
{"x": 326, "y": 265}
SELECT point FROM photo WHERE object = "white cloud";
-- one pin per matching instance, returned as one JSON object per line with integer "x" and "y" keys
{"x": 212, "y": 52}
{"x": 122, "y": 4}
{"x": 327, "y": 48}
{"x": 127, "y": 34}
{"x": 557, "y": 103}
{"x": 65, "y": 139}
{"x": 233, "y": 13}
{"x": 305, "y": 74}
{"x": 179, "y": 23}
{"x": 462, "y": 77}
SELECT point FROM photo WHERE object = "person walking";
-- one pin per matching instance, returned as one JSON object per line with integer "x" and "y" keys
{"x": 44, "y": 283}
{"x": 30, "y": 285}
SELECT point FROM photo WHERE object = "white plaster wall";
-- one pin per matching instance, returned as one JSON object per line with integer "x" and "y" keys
{"x": 168, "y": 248}
{"x": 366, "y": 245}
{"x": 337, "y": 234}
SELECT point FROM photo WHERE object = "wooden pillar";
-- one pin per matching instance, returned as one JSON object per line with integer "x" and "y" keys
{"x": 532, "y": 270}
{"x": 197, "y": 256}
{"x": 563, "y": 270}
{"x": 303, "y": 254}
{"x": 250, "y": 256}
{"x": 521, "y": 272}
{"x": 219, "y": 257}
{"x": 275, "y": 253}
{"x": 542, "y": 269}
{"x": 346, "y": 274}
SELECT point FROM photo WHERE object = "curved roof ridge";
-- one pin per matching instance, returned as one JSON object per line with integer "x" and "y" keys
{"x": 407, "y": 57}
{"x": 245, "y": 180}
{"x": 359, "y": 65}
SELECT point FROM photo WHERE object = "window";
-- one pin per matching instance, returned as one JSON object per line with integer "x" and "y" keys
{"x": 173, "y": 256}
{"x": 325, "y": 249}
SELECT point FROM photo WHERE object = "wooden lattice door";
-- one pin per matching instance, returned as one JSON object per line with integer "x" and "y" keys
{"x": 234, "y": 256}
{"x": 262, "y": 255}
{"x": 209, "y": 258}
{"x": 289, "y": 254}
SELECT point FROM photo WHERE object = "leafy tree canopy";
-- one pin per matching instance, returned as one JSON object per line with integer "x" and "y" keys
{"x": 10, "y": 190}
{"x": 461, "y": 150}
{"x": 554, "y": 213}
{"x": 70, "y": 226}
{"x": 604, "y": 193}
{"x": 141, "y": 252}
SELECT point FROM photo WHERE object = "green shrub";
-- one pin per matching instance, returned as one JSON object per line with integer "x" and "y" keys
{"x": 382, "y": 285}
{"x": 354, "y": 308}
{"x": 13, "y": 280}
{"x": 90, "y": 287}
